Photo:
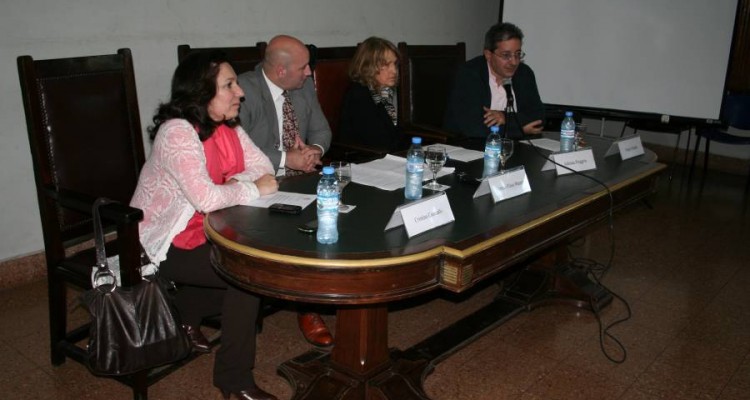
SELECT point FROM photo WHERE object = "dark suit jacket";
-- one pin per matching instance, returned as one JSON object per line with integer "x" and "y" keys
{"x": 471, "y": 91}
{"x": 367, "y": 124}
{"x": 258, "y": 115}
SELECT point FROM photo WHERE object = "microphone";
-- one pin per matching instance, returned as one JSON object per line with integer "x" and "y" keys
{"x": 512, "y": 127}
{"x": 508, "y": 86}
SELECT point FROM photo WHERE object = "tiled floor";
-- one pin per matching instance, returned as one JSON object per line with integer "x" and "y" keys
{"x": 683, "y": 266}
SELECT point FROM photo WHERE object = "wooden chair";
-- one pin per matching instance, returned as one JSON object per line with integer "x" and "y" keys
{"x": 243, "y": 59}
{"x": 86, "y": 142}
{"x": 426, "y": 75}
{"x": 330, "y": 67}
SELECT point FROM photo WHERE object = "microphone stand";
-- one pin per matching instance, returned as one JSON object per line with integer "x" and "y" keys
{"x": 511, "y": 117}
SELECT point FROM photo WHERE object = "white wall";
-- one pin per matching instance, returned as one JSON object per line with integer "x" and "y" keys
{"x": 152, "y": 29}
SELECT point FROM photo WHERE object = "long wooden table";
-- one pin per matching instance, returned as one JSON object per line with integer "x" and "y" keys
{"x": 368, "y": 268}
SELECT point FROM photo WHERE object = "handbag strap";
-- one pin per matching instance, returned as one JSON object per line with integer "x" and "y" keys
{"x": 101, "y": 253}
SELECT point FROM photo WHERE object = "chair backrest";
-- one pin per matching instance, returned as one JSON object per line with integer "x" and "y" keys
{"x": 243, "y": 59}
{"x": 736, "y": 110}
{"x": 85, "y": 136}
{"x": 426, "y": 75}
{"x": 330, "y": 74}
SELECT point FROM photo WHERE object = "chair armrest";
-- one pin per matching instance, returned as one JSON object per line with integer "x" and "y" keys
{"x": 124, "y": 217}
{"x": 116, "y": 213}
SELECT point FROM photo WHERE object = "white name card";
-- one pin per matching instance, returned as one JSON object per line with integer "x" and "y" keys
{"x": 628, "y": 148}
{"x": 581, "y": 160}
{"x": 422, "y": 215}
{"x": 506, "y": 185}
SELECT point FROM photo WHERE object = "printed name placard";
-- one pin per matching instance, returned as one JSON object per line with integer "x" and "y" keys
{"x": 581, "y": 160}
{"x": 628, "y": 148}
{"x": 422, "y": 215}
{"x": 505, "y": 185}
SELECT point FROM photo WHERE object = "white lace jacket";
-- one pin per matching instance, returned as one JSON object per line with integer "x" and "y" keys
{"x": 174, "y": 183}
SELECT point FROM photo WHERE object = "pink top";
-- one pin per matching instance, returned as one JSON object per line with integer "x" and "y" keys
{"x": 175, "y": 183}
{"x": 223, "y": 159}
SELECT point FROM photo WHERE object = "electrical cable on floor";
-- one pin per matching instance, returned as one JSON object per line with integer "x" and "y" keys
{"x": 597, "y": 271}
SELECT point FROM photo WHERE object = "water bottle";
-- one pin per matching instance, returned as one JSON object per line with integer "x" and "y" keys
{"x": 567, "y": 133}
{"x": 328, "y": 207}
{"x": 492, "y": 152}
{"x": 414, "y": 170}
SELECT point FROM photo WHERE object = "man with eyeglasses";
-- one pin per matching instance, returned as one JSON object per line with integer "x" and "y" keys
{"x": 478, "y": 99}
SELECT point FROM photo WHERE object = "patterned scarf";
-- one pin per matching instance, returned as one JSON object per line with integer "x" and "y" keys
{"x": 385, "y": 97}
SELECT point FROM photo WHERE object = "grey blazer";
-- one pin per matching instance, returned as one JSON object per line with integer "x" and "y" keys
{"x": 258, "y": 115}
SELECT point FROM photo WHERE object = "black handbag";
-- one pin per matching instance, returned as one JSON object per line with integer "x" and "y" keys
{"x": 132, "y": 328}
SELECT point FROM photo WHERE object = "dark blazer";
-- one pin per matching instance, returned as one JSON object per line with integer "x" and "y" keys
{"x": 258, "y": 115}
{"x": 471, "y": 91}
{"x": 367, "y": 124}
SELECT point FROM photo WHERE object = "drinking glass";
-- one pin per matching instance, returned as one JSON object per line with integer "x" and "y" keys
{"x": 342, "y": 170}
{"x": 506, "y": 151}
{"x": 435, "y": 156}
{"x": 581, "y": 129}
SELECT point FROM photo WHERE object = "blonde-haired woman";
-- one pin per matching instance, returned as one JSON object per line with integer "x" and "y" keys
{"x": 369, "y": 112}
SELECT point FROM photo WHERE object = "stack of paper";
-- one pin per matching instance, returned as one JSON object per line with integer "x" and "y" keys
{"x": 461, "y": 154}
{"x": 387, "y": 173}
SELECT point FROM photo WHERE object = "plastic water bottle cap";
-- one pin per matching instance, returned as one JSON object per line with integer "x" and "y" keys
{"x": 568, "y": 113}
{"x": 328, "y": 170}
{"x": 416, "y": 140}
{"x": 495, "y": 129}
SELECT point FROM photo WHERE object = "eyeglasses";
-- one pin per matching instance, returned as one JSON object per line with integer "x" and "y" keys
{"x": 519, "y": 55}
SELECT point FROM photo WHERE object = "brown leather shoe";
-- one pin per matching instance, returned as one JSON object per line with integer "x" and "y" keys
{"x": 199, "y": 342}
{"x": 254, "y": 393}
{"x": 314, "y": 329}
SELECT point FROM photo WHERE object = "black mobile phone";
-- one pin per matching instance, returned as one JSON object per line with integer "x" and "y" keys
{"x": 309, "y": 227}
{"x": 285, "y": 208}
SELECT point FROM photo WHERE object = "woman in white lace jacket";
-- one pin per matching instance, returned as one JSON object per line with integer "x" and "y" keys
{"x": 202, "y": 160}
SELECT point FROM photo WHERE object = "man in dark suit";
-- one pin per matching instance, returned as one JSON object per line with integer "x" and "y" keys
{"x": 478, "y": 99}
{"x": 284, "y": 70}
{"x": 282, "y": 116}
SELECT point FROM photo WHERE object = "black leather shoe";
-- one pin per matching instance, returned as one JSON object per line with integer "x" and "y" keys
{"x": 199, "y": 342}
{"x": 254, "y": 393}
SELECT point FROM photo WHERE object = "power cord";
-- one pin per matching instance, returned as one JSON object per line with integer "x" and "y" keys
{"x": 596, "y": 271}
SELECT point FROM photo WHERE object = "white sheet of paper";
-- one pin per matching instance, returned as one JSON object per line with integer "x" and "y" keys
{"x": 461, "y": 154}
{"x": 387, "y": 173}
{"x": 297, "y": 199}
{"x": 544, "y": 143}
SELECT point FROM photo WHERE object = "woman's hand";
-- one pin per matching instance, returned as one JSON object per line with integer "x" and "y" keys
{"x": 267, "y": 184}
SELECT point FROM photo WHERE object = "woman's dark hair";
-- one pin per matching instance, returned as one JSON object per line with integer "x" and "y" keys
{"x": 501, "y": 32}
{"x": 193, "y": 87}
{"x": 368, "y": 59}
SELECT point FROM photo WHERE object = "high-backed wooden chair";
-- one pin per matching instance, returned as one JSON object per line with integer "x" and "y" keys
{"x": 86, "y": 142}
{"x": 243, "y": 59}
{"x": 330, "y": 67}
{"x": 426, "y": 75}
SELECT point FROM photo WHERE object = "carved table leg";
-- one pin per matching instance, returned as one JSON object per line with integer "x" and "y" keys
{"x": 360, "y": 365}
